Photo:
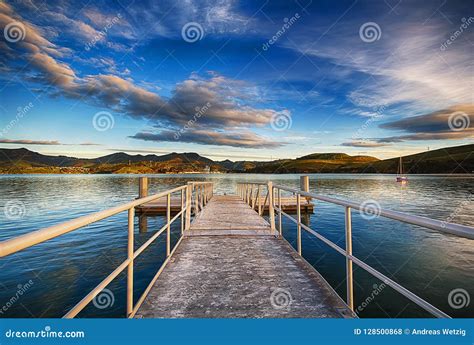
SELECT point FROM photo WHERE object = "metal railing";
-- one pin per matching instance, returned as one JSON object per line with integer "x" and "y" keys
{"x": 199, "y": 192}
{"x": 245, "y": 190}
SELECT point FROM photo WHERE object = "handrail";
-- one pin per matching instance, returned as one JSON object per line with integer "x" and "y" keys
{"x": 452, "y": 228}
{"x": 455, "y": 229}
{"x": 203, "y": 192}
{"x": 18, "y": 243}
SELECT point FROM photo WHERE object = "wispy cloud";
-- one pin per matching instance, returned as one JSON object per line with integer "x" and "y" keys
{"x": 361, "y": 143}
{"x": 30, "y": 142}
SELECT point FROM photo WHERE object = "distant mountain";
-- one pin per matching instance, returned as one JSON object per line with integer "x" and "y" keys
{"x": 449, "y": 160}
{"x": 313, "y": 163}
{"x": 459, "y": 159}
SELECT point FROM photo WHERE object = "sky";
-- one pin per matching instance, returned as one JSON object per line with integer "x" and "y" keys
{"x": 255, "y": 80}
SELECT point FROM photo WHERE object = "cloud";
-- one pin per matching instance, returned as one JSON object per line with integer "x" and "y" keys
{"x": 228, "y": 102}
{"x": 243, "y": 139}
{"x": 363, "y": 144}
{"x": 455, "y": 122}
{"x": 405, "y": 67}
{"x": 30, "y": 142}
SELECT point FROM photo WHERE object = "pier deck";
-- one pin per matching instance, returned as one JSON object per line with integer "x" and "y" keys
{"x": 229, "y": 264}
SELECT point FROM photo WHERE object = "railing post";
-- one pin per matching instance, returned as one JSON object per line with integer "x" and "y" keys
{"x": 259, "y": 202}
{"x": 196, "y": 200}
{"x": 182, "y": 211}
{"x": 298, "y": 215}
{"x": 280, "y": 227}
{"x": 271, "y": 211}
{"x": 349, "y": 278}
{"x": 131, "y": 218}
{"x": 168, "y": 228}
{"x": 143, "y": 187}
{"x": 188, "y": 206}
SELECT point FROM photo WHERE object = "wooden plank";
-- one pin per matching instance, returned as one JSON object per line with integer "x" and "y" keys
{"x": 240, "y": 277}
{"x": 158, "y": 207}
{"x": 226, "y": 212}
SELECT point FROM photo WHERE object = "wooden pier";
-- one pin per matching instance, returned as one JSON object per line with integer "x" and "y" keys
{"x": 230, "y": 261}
{"x": 159, "y": 207}
{"x": 231, "y": 264}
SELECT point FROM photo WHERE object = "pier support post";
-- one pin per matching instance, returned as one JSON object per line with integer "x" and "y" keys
{"x": 130, "y": 249}
{"x": 271, "y": 210}
{"x": 143, "y": 187}
{"x": 349, "y": 278}
{"x": 304, "y": 185}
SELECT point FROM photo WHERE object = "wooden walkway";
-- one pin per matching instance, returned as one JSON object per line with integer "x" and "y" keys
{"x": 229, "y": 265}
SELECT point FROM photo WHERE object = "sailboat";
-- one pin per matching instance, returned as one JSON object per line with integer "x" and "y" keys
{"x": 400, "y": 176}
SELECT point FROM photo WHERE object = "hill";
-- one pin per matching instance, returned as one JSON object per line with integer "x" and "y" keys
{"x": 459, "y": 159}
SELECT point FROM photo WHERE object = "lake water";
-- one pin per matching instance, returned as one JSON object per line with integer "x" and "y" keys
{"x": 62, "y": 271}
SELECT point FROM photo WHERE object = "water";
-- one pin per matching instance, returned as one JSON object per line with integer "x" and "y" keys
{"x": 48, "y": 279}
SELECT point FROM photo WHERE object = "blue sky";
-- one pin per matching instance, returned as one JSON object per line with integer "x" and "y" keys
{"x": 239, "y": 80}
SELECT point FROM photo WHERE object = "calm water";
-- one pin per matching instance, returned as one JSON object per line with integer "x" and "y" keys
{"x": 64, "y": 270}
